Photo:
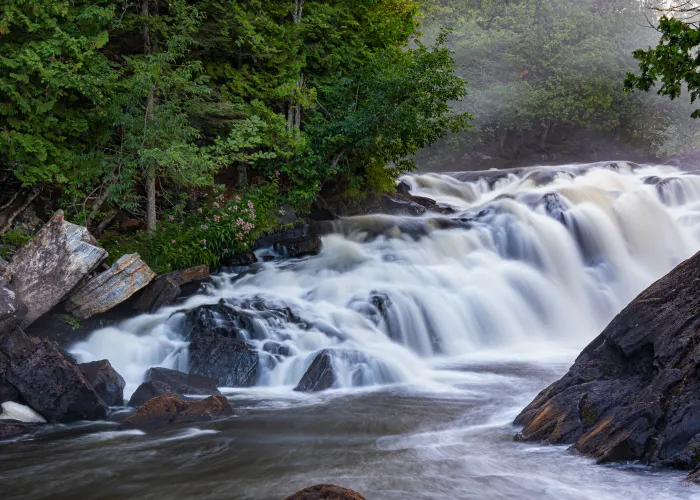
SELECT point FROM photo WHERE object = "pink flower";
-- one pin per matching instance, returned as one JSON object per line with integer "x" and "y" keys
{"x": 226, "y": 250}
{"x": 216, "y": 205}
{"x": 171, "y": 218}
{"x": 204, "y": 227}
{"x": 277, "y": 173}
{"x": 173, "y": 242}
{"x": 216, "y": 218}
{"x": 237, "y": 198}
{"x": 252, "y": 216}
{"x": 199, "y": 210}
{"x": 240, "y": 222}
{"x": 250, "y": 204}
{"x": 204, "y": 242}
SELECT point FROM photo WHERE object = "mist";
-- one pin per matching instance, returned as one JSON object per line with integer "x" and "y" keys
{"x": 546, "y": 83}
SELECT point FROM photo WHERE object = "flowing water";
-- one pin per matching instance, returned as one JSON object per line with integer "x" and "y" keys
{"x": 443, "y": 328}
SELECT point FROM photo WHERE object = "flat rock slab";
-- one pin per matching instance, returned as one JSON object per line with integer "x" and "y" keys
{"x": 127, "y": 275}
{"x": 184, "y": 383}
{"x": 47, "y": 268}
{"x": 165, "y": 411}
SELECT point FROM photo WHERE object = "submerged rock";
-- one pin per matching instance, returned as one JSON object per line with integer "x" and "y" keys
{"x": 184, "y": 383}
{"x": 105, "y": 380}
{"x": 47, "y": 381}
{"x": 127, "y": 276}
{"x": 357, "y": 368}
{"x": 152, "y": 389}
{"x": 51, "y": 265}
{"x": 165, "y": 411}
{"x": 10, "y": 429}
{"x": 325, "y": 492}
{"x": 634, "y": 392}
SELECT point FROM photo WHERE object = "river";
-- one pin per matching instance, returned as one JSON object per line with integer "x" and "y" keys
{"x": 446, "y": 327}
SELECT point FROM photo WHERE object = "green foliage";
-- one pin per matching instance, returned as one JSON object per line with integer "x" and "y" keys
{"x": 674, "y": 62}
{"x": 12, "y": 239}
{"x": 220, "y": 228}
{"x": 99, "y": 98}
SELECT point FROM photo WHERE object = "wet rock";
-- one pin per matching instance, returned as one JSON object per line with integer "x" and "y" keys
{"x": 395, "y": 206}
{"x": 325, "y": 492}
{"x": 240, "y": 260}
{"x": 165, "y": 411}
{"x": 232, "y": 362}
{"x": 10, "y": 429}
{"x": 184, "y": 383}
{"x": 47, "y": 382}
{"x": 319, "y": 376}
{"x": 297, "y": 242}
{"x": 108, "y": 384}
{"x": 48, "y": 267}
{"x": 128, "y": 275}
{"x": 152, "y": 389}
{"x": 634, "y": 392}
{"x": 8, "y": 392}
{"x": 167, "y": 287}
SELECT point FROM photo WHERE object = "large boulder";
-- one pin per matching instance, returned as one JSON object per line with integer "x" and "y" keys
{"x": 149, "y": 390}
{"x": 320, "y": 375}
{"x": 184, "y": 383}
{"x": 128, "y": 275}
{"x": 165, "y": 411}
{"x": 232, "y": 362}
{"x": 325, "y": 492}
{"x": 51, "y": 265}
{"x": 634, "y": 392}
{"x": 105, "y": 380}
{"x": 47, "y": 381}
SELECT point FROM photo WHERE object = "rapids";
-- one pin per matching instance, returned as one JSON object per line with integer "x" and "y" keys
{"x": 528, "y": 266}
{"x": 454, "y": 323}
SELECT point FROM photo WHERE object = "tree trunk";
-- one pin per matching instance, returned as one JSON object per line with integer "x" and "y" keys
{"x": 148, "y": 116}
{"x": 294, "y": 110}
{"x": 543, "y": 136}
{"x": 12, "y": 216}
{"x": 502, "y": 136}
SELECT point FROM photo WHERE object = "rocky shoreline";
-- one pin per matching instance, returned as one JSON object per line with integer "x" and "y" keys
{"x": 634, "y": 393}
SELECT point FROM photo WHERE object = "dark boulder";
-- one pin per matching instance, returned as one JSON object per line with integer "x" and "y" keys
{"x": 634, "y": 392}
{"x": 49, "y": 383}
{"x": 396, "y": 206}
{"x": 232, "y": 362}
{"x": 168, "y": 287}
{"x": 325, "y": 492}
{"x": 297, "y": 242}
{"x": 166, "y": 411}
{"x": 105, "y": 380}
{"x": 149, "y": 390}
{"x": 184, "y": 383}
{"x": 319, "y": 376}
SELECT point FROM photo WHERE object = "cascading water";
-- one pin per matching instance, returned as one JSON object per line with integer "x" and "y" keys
{"x": 529, "y": 262}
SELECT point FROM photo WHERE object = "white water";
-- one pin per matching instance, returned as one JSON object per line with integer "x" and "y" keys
{"x": 520, "y": 271}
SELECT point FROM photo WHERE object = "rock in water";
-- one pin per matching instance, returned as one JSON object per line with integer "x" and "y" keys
{"x": 184, "y": 383}
{"x": 168, "y": 411}
{"x": 297, "y": 242}
{"x": 325, "y": 492}
{"x": 166, "y": 288}
{"x": 320, "y": 374}
{"x": 634, "y": 392}
{"x": 233, "y": 362}
{"x": 149, "y": 390}
{"x": 47, "y": 382}
{"x": 105, "y": 380}
{"x": 127, "y": 275}
{"x": 52, "y": 264}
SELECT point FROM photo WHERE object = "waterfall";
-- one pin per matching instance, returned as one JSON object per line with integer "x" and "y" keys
{"x": 530, "y": 261}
